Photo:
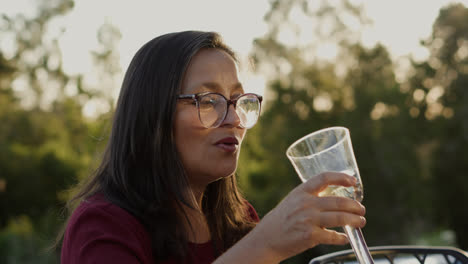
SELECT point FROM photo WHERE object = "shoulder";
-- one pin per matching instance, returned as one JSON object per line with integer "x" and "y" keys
{"x": 99, "y": 231}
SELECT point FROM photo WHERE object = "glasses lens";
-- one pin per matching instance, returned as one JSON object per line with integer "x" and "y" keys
{"x": 212, "y": 108}
{"x": 248, "y": 110}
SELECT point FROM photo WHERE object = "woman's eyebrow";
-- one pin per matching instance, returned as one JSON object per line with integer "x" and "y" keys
{"x": 212, "y": 87}
{"x": 215, "y": 87}
{"x": 238, "y": 88}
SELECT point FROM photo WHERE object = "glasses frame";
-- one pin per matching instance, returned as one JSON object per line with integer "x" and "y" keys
{"x": 196, "y": 97}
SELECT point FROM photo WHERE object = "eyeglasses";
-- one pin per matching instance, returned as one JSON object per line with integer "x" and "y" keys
{"x": 213, "y": 108}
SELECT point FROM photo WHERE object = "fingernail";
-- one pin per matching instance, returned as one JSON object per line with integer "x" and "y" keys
{"x": 363, "y": 221}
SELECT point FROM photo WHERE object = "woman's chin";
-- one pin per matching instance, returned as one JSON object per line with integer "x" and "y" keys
{"x": 224, "y": 174}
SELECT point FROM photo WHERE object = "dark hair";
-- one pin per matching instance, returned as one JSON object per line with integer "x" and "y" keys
{"x": 141, "y": 170}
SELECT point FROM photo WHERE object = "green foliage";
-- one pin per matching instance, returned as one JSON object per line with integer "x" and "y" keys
{"x": 19, "y": 243}
{"x": 46, "y": 145}
{"x": 385, "y": 154}
{"x": 443, "y": 80}
{"x": 411, "y": 151}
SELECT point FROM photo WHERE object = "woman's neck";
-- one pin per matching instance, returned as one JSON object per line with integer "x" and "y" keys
{"x": 196, "y": 223}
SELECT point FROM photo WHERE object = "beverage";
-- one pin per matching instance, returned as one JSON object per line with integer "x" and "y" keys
{"x": 354, "y": 192}
{"x": 350, "y": 192}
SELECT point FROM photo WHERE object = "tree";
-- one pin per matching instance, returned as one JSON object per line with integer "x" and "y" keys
{"x": 46, "y": 142}
{"x": 357, "y": 90}
{"x": 440, "y": 100}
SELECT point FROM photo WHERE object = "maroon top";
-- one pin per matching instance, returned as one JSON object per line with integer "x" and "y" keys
{"x": 101, "y": 232}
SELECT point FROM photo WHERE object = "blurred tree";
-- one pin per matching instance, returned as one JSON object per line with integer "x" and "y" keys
{"x": 20, "y": 244}
{"x": 46, "y": 142}
{"x": 35, "y": 162}
{"x": 357, "y": 89}
{"x": 440, "y": 103}
{"x": 298, "y": 76}
{"x": 106, "y": 70}
{"x": 382, "y": 132}
{"x": 36, "y": 55}
{"x": 302, "y": 31}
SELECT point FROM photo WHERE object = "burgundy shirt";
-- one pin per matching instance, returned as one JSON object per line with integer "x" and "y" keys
{"x": 101, "y": 232}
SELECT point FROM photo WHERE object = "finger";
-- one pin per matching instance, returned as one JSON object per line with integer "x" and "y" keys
{"x": 331, "y": 237}
{"x": 318, "y": 183}
{"x": 343, "y": 204}
{"x": 337, "y": 219}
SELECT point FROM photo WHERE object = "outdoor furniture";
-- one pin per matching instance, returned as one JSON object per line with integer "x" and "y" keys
{"x": 399, "y": 255}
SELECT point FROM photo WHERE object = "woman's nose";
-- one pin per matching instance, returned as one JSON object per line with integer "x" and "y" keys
{"x": 232, "y": 118}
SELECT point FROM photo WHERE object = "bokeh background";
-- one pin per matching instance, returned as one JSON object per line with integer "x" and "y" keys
{"x": 394, "y": 72}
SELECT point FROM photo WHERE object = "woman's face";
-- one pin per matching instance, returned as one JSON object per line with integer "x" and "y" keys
{"x": 208, "y": 154}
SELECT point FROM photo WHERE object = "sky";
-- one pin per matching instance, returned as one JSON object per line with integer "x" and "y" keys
{"x": 398, "y": 24}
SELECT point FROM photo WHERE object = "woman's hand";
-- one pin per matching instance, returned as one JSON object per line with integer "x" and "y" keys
{"x": 301, "y": 220}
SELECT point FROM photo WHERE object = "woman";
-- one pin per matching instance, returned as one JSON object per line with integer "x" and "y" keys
{"x": 166, "y": 192}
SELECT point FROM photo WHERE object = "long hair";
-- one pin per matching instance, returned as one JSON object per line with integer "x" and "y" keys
{"x": 141, "y": 170}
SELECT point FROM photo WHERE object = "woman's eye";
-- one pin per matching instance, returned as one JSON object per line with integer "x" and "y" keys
{"x": 208, "y": 102}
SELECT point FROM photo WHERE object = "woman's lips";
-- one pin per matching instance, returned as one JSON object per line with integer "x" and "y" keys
{"x": 228, "y": 144}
